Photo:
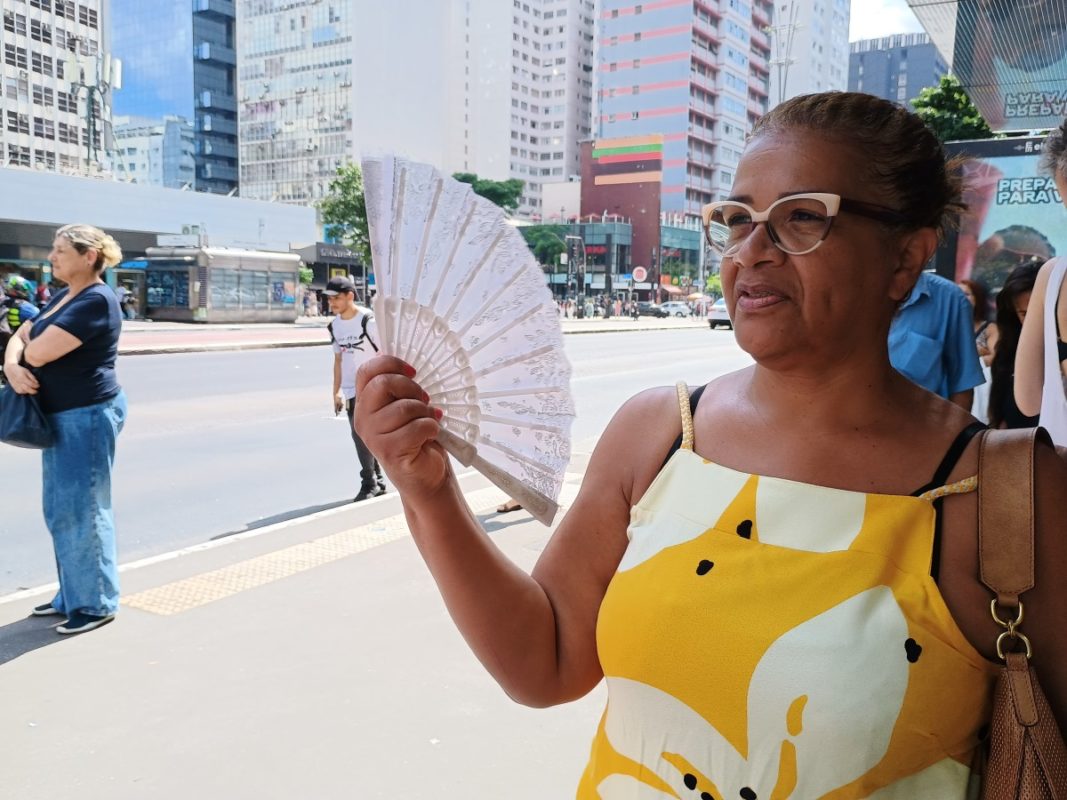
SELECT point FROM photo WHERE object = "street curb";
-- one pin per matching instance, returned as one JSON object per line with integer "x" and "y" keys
{"x": 201, "y": 348}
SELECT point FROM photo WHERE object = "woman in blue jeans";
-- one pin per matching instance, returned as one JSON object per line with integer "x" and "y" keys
{"x": 67, "y": 358}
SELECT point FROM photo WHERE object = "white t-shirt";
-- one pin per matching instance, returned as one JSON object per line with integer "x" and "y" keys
{"x": 354, "y": 344}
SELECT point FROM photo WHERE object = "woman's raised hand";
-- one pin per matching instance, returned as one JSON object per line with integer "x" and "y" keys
{"x": 394, "y": 419}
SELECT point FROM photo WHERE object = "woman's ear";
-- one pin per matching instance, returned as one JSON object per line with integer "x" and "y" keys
{"x": 916, "y": 250}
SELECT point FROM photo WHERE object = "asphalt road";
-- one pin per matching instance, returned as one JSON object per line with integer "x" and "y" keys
{"x": 218, "y": 443}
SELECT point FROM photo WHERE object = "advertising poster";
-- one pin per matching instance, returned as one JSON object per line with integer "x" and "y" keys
{"x": 1011, "y": 57}
{"x": 1014, "y": 212}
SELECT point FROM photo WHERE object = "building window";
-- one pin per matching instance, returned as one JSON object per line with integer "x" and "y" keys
{"x": 45, "y": 4}
{"x": 19, "y": 156}
{"x": 18, "y": 123}
{"x": 40, "y": 32}
{"x": 43, "y": 96}
{"x": 15, "y": 56}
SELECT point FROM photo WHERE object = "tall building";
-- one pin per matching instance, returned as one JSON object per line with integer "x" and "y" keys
{"x": 895, "y": 68}
{"x": 160, "y": 152}
{"x": 179, "y": 60}
{"x": 511, "y": 97}
{"x": 697, "y": 73}
{"x": 56, "y": 80}
{"x": 294, "y": 81}
{"x": 501, "y": 90}
{"x": 809, "y": 44}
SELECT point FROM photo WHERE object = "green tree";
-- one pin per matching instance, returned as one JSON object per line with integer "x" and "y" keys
{"x": 345, "y": 210}
{"x": 545, "y": 241}
{"x": 949, "y": 112}
{"x": 505, "y": 194}
{"x": 307, "y": 275}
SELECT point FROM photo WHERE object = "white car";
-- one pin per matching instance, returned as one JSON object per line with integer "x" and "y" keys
{"x": 675, "y": 308}
{"x": 718, "y": 315}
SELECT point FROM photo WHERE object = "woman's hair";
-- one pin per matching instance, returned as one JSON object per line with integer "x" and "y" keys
{"x": 901, "y": 155}
{"x": 981, "y": 299}
{"x": 1054, "y": 154}
{"x": 1020, "y": 281}
{"x": 85, "y": 237}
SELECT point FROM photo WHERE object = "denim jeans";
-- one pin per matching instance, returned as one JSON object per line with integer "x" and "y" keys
{"x": 77, "y": 506}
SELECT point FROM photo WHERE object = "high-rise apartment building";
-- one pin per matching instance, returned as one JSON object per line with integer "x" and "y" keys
{"x": 55, "y": 101}
{"x": 809, "y": 47}
{"x": 695, "y": 72}
{"x": 179, "y": 60}
{"x": 160, "y": 152}
{"x": 549, "y": 90}
{"x": 503, "y": 90}
{"x": 295, "y": 96}
{"x": 895, "y": 68}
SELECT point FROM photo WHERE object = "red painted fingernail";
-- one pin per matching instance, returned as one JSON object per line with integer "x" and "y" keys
{"x": 409, "y": 370}
{"x": 438, "y": 413}
{"x": 425, "y": 397}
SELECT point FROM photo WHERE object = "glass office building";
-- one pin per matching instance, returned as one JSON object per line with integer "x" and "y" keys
{"x": 179, "y": 60}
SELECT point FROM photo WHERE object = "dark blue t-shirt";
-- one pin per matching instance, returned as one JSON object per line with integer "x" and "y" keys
{"x": 86, "y": 375}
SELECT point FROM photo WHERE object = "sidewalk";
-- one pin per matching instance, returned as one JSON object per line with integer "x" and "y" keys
{"x": 145, "y": 338}
{"x": 313, "y": 659}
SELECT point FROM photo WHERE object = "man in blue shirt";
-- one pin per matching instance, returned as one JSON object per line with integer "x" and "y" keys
{"x": 931, "y": 340}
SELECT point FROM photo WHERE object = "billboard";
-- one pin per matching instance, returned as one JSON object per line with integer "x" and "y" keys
{"x": 1011, "y": 57}
{"x": 1014, "y": 212}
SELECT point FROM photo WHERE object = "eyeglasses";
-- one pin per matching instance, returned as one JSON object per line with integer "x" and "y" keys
{"x": 796, "y": 224}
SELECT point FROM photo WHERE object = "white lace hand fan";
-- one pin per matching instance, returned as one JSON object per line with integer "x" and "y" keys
{"x": 461, "y": 298}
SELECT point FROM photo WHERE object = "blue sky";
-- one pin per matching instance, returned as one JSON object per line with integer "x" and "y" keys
{"x": 871, "y": 19}
{"x": 157, "y": 70}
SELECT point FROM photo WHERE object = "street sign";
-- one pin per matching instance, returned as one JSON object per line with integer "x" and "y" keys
{"x": 640, "y": 273}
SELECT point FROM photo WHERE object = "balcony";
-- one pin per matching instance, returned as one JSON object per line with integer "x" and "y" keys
{"x": 706, "y": 30}
{"x": 708, "y": 8}
{"x": 761, "y": 39}
{"x": 759, "y": 63}
{"x": 706, "y": 82}
{"x": 217, "y": 101}
{"x": 756, "y": 108}
{"x": 217, "y": 172}
{"x": 217, "y": 53}
{"x": 216, "y": 9}
{"x": 760, "y": 15}
{"x": 216, "y": 124}
{"x": 219, "y": 149}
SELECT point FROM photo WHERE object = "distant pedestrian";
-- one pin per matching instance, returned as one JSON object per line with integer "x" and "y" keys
{"x": 931, "y": 340}
{"x": 1013, "y": 302}
{"x": 16, "y": 304}
{"x": 44, "y": 292}
{"x": 1041, "y": 363}
{"x": 354, "y": 337}
{"x": 66, "y": 356}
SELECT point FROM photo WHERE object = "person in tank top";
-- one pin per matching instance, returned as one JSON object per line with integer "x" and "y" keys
{"x": 1041, "y": 361}
{"x": 783, "y": 599}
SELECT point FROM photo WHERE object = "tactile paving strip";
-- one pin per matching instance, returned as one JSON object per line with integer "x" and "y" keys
{"x": 199, "y": 590}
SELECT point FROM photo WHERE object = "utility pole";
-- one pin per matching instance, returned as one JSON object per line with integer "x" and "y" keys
{"x": 106, "y": 75}
{"x": 579, "y": 271}
{"x": 782, "y": 37}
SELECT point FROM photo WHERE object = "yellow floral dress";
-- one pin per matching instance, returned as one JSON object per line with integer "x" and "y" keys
{"x": 765, "y": 639}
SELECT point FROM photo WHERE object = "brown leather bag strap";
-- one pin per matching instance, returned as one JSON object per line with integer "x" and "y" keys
{"x": 1006, "y": 511}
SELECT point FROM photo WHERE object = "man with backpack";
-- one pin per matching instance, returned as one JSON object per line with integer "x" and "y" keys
{"x": 354, "y": 338}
